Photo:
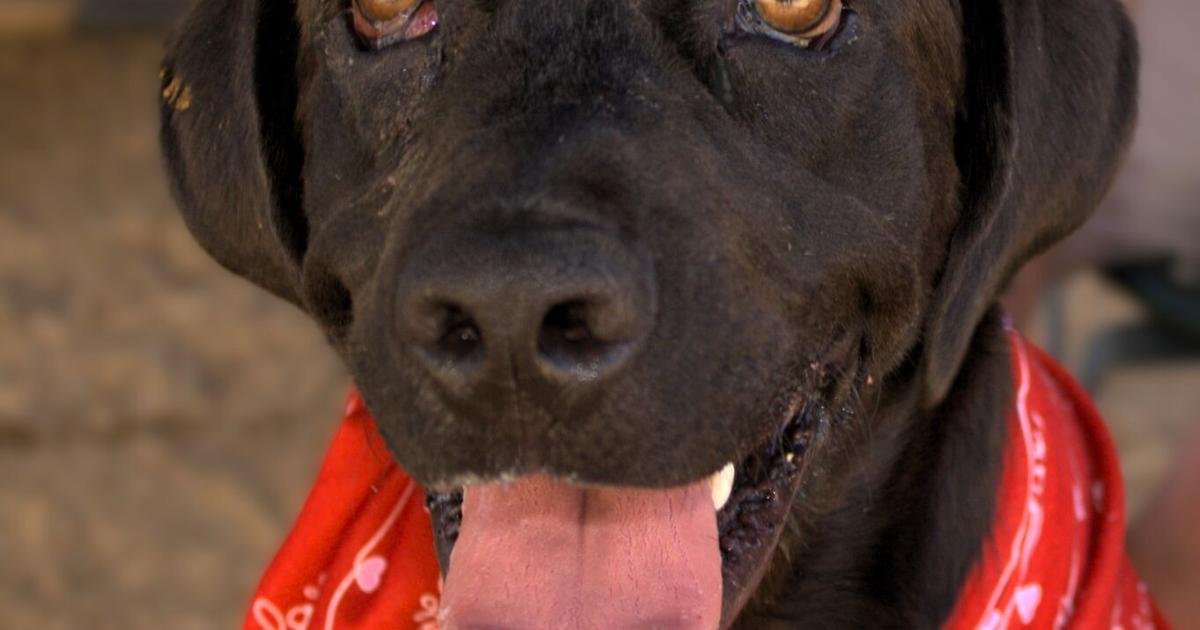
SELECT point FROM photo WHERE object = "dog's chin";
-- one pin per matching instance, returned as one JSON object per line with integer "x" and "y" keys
{"x": 751, "y": 499}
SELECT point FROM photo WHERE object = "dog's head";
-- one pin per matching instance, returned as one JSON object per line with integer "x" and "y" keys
{"x": 622, "y": 243}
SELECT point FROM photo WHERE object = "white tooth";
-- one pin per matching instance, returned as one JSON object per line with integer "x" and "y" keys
{"x": 721, "y": 483}
{"x": 790, "y": 457}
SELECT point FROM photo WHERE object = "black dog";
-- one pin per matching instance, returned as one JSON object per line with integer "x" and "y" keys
{"x": 620, "y": 243}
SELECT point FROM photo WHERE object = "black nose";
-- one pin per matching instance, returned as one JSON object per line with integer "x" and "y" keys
{"x": 553, "y": 313}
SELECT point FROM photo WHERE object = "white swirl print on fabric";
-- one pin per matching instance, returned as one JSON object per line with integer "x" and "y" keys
{"x": 366, "y": 573}
{"x": 1066, "y": 604}
{"x": 1023, "y": 598}
{"x": 1143, "y": 619}
{"x": 426, "y": 618}
{"x": 268, "y": 616}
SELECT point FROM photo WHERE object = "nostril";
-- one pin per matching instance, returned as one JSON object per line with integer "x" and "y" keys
{"x": 568, "y": 321}
{"x": 568, "y": 343}
{"x": 444, "y": 334}
{"x": 461, "y": 339}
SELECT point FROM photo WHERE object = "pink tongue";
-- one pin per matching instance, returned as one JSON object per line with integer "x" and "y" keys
{"x": 540, "y": 553}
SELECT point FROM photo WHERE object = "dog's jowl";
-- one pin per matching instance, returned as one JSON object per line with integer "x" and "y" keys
{"x": 680, "y": 311}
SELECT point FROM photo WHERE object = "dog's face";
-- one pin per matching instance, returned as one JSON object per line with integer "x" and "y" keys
{"x": 624, "y": 243}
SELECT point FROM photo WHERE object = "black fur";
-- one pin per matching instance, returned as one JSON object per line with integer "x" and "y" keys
{"x": 771, "y": 221}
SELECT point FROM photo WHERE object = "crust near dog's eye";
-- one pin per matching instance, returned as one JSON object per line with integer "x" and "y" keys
{"x": 802, "y": 19}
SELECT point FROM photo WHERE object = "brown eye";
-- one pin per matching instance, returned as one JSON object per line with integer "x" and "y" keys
{"x": 381, "y": 23}
{"x": 386, "y": 10}
{"x": 801, "y": 19}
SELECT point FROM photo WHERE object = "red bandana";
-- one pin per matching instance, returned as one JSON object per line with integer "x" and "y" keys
{"x": 361, "y": 552}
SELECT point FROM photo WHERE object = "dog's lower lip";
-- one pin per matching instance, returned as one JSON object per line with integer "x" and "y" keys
{"x": 766, "y": 481}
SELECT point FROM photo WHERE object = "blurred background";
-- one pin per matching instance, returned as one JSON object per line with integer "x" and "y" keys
{"x": 161, "y": 420}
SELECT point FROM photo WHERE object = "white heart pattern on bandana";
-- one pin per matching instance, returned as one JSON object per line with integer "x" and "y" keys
{"x": 1027, "y": 598}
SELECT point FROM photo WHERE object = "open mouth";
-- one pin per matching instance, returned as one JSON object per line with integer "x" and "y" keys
{"x": 545, "y": 552}
{"x": 751, "y": 499}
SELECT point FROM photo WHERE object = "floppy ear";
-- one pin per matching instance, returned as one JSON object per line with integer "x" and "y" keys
{"x": 1048, "y": 107}
{"x": 229, "y": 134}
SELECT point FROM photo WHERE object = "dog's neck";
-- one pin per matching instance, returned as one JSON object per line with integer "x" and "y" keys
{"x": 897, "y": 549}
